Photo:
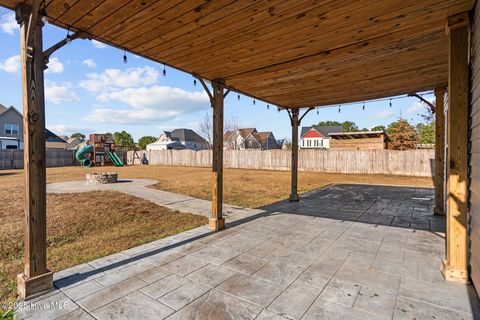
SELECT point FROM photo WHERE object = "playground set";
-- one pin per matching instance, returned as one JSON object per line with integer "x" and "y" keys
{"x": 100, "y": 151}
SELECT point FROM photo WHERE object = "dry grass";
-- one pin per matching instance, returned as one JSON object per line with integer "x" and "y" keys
{"x": 77, "y": 223}
{"x": 119, "y": 221}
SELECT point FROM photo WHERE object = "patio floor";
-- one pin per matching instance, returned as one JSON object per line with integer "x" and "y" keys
{"x": 343, "y": 252}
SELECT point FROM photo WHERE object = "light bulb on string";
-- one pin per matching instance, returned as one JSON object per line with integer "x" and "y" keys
{"x": 194, "y": 82}
{"x": 125, "y": 59}
{"x": 278, "y": 109}
{"x": 318, "y": 112}
{"x": 268, "y": 107}
{"x": 238, "y": 97}
{"x": 253, "y": 101}
{"x": 68, "y": 39}
{"x": 164, "y": 72}
{"x": 339, "y": 110}
{"x": 44, "y": 13}
{"x": 390, "y": 103}
{"x": 363, "y": 107}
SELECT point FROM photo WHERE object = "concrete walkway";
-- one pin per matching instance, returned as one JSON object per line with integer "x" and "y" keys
{"x": 140, "y": 188}
{"x": 338, "y": 254}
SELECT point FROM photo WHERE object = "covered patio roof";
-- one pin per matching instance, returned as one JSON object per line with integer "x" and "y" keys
{"x": 291, "y": 54}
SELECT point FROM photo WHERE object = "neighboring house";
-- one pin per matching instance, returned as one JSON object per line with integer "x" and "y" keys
{"x": 52, "y": 141}
{"x": 11, "y": 135}
{"x": 11, "y": 126}
{"x": 317, "y": 137}
{"x": 363, "y": 140}
{"x": 179, "y": 139}
{"x": 73, "y": 143}
{"x": 249, "y": 138}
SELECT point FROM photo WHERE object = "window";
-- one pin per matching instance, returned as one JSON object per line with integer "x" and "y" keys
{"x": 321, "y": 143}
{"x": 11, "y": 129}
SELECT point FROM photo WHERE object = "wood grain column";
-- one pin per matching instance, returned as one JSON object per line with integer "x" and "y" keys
{"x": 439, "y": 151}
{"x": 294, "y": 180}
{"x": 455, "y": 266}
{"x": 217, "y": 222}
{"x": 35, "y": 277}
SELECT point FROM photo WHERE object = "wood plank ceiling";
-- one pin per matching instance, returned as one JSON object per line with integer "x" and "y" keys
{"x": 294, "y": 53}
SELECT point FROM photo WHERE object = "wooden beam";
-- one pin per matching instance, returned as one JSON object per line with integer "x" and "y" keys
{"x": 439, "y": 151}
{"x": 455, "y": 266}
{"x": 217, "y": 222}
{"x": 294, "y": 180}
{"x": 35, "y": 277}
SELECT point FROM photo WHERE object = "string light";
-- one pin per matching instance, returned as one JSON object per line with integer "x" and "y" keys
{"x": 238, "y": 97}
{"x": 390, "y": 103}
{"x": 363, "y": 107}
{"x": 44, "y": 13}
{"x": 268, "y": 107}
{"x": 278, "y": 109}
{"x": 164, "y": 72}
{"x": 125, "y": 60}
{"x": 194, "y": 82}
{"x": 318, "y": 112}
{"x": 68, "y": 39}
{"x": 253, "y": 101}
{"x": 339, "y": 110}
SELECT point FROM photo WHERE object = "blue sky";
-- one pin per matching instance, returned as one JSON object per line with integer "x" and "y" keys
{"x": 90, "y": 89}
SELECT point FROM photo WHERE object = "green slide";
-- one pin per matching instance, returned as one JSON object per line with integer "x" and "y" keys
{"x": 115, "y": 159}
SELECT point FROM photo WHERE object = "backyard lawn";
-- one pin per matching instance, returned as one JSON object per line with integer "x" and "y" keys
{"x": 78, "y": 223}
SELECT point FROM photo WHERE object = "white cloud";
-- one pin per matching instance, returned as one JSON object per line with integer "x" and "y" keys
{"x": 60, "y": 92}
{"x": 384, "y": 114}
{"x": 149, "y": 105}
{"x": 162, "y": 97}
{"x": 416, "y": 106}
{"x": 11, "y": 65}
{"x": 89, "y": 63}
{"x": 64, "y": 129}
{"x": 54, "y": 66}
{"x": 114, "y": 79}
{"x": 8, "y": 23}
{"x": 98, "y": 44}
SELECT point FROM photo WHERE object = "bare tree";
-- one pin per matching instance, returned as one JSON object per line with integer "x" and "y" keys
{"x": 206, "y": 128}
{"x": 233, "y": 124}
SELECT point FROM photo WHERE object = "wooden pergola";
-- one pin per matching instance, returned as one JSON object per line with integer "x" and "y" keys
{"x": 292, "y": 54}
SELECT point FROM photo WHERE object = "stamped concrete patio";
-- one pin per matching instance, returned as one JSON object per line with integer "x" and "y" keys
{"x": 343, "y": 252}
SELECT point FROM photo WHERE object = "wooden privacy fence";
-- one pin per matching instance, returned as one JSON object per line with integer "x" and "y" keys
{"x": 13, "y": 159}
{"x": 410, "y": 163}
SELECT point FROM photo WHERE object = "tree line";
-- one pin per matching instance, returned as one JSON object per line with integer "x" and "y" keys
{"x": 123, "y": 140}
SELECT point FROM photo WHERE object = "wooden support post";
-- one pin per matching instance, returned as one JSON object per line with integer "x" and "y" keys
{"x": 455, "y": 266}
{"x": 217, "y": 222}
{"x": 294, "y": 180}
{"x": 439, "y": 151}
{"x": 35, "y": 277}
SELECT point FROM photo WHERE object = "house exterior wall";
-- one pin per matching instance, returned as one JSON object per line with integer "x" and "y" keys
{"x": 56, "y": 145}
{"x": 271, "y": 143}
{"x": 251, "y": 143}
{"x": 194, "y": 145}
{"x": 239, "y": 142}
{"x": 11, "y": 117}
{"x": 315, "y": 143}
{"x": 474, "y": 151}
{"x": 358, "y": 143}
{"x": 11, "y": 144}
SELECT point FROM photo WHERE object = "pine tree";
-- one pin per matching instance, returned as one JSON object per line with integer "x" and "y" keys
{"x": 402, "y": 135}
